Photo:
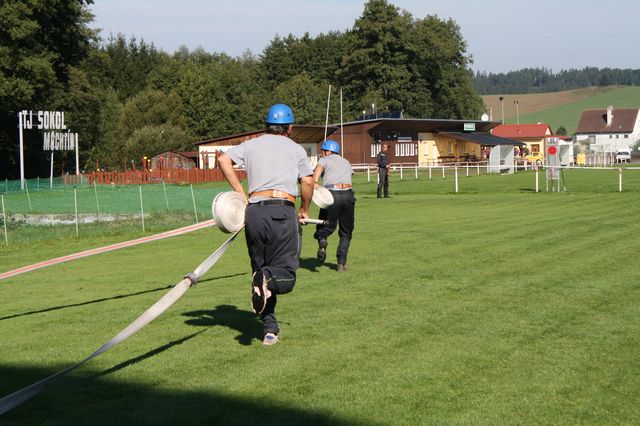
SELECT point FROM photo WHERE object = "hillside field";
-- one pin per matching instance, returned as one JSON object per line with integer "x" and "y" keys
{"x": 561, "y": 108}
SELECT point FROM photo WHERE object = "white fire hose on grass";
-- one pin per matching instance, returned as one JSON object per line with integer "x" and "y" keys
{"x": 228, "y": 211}
{"x": 18, "y": 397}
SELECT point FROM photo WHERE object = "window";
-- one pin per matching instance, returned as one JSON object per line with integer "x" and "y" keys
{"x": 610, "y": 136}
{"x": 405, "y": 149}
{"x": 617, "y": 136}
{"x": 626, "y": 136}
{"x": 450, "y": 150}
{"x": 375, "y": 149}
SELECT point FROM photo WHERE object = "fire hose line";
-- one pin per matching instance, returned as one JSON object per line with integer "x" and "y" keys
{"x": 11, "y": 401}
{"x": 86, "y": 253}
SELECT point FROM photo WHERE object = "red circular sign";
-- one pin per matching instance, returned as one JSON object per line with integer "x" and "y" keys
{"x": 552, "y": 150}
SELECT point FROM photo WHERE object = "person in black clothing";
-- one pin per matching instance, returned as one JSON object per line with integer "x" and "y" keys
{"x": 336, "y": 174}
{"x": 383, "y": 172}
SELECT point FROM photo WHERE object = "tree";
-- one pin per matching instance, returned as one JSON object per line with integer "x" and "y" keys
{"x": 377, "y": 62}
{"x": 151, "y": 107}
{"x": 39, "y": 42}
{"x": 153, "y": 139}
{"x": 305, "y": 97}
{"x": 441, "y": 68}
{"x": 109, "y": 146}
{"x": 561, "y": 131}
{"x": 128, "y": 64}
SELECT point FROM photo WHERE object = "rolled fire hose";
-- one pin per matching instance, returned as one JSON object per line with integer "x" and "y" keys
{"x": 24, "y": 394}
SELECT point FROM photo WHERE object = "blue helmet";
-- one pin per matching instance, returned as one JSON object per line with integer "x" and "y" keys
{"x": 330, "y": 145}
{"x": 279, "y": 114}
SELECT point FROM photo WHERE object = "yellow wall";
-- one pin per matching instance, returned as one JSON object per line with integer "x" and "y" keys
{"x": 432, "y": 146}
{"x": 427, "y": 149}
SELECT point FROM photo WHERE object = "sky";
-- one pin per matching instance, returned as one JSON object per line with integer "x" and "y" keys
{"x": 501, "y": 35}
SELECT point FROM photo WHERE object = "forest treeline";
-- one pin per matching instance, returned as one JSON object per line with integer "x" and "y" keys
{"x": 127, "y": 99}
{"x": 543, "y": 80}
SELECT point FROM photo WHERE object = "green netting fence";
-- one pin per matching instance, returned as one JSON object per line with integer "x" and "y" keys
{"x": 111, "y": 199}
{"x": 149, "y": 207}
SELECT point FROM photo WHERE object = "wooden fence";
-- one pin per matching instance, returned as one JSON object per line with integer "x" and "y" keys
{"x": 182, "y": 176}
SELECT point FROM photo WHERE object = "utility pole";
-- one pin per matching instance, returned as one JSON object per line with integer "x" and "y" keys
{"x": 502, "y": 108}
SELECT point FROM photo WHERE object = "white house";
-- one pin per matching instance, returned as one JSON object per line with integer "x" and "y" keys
{"x": 608, "y": 130}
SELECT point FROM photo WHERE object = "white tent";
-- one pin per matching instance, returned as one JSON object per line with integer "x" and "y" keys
{"x": 501, "y": 159}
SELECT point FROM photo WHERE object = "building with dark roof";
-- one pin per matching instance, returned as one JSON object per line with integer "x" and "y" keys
{"x": 173, "y": 160}
{"x": 423, "y": 141}
{"x": 608, "y": 130}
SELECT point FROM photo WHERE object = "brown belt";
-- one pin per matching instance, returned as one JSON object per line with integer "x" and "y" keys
{"x": 274, "y": 193}
{"x": 340, "y": 186}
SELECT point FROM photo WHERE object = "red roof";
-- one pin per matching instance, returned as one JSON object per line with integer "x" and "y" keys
{"x": 519, "y": 131}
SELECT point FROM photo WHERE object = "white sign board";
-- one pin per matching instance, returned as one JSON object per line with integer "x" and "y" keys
{"x": 56, "y": 136}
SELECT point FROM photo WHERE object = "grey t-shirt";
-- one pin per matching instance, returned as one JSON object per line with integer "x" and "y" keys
{"x": 336, "y": 170}
{"x": 272, "y": 162}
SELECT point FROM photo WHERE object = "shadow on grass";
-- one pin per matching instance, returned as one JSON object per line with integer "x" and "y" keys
{"x": 106, "y": 299}
{"x": 89, "y": 399}
{"x": 312, "y": 264}
{"x": 245, "y": 322}
{"x": 309, "y": 263}
{"x": 150, "y": 354}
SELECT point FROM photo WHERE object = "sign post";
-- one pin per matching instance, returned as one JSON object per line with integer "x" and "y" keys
{"x": 552, "y": 159}
{"x": 21, "y": 151}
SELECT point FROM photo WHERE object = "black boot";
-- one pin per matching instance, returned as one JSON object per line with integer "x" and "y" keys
{"x": 322, "y": 250}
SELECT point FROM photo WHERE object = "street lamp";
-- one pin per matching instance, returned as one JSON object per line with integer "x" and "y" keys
{"x": 502, "y": 107}
{"x": 517, "y": 112}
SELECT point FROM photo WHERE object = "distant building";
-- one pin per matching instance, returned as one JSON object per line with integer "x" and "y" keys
{"x": 310, "y": 137}
{"x": 422, "y": 141}
{"x": 174, "y": 160}
{"x": 608, "y": 130}
{"x": 532, "y": 135}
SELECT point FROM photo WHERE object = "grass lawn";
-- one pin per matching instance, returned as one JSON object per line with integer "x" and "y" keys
{"x": 494, "y": 305}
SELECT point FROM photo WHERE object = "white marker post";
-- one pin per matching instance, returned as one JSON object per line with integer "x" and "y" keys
{"x": 620, "y": 179}
{"x": 95, "y": 190}
{"x": 51, "y": 177}
{"x": 193, "y": 198}
{"x": 21, "y": 150}
{"x": 456, "y": 172}
{"x": 164, "y": 189}
{"x": 4, "y": 220}
{"x": 75, "y": 202}
{"x": 26, "y": 187}
{"x": 77, "y": 158}
{"x": 141, "y": 207}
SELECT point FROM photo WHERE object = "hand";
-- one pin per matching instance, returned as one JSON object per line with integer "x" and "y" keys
{"x": 244, "y": 196}
{"x": 316, "y": 186}
{"x": 303, "y": 214}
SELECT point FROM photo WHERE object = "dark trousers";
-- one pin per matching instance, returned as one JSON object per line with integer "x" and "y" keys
{"x": 340, "y": 213}
{"x": 383, "y": 181}
{"x": 272, "y": 241}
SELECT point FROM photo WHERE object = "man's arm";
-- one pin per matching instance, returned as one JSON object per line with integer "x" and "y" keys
{"x": 226, "y": 165}
{"x": 306, "y": 193}
{"x": 317, "y": 172}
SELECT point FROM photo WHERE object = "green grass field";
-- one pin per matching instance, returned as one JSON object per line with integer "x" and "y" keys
{"x": 494, "y": 305}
